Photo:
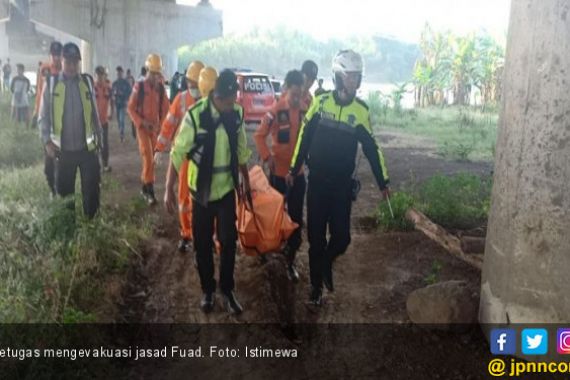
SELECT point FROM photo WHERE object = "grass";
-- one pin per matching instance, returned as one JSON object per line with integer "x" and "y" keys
{"x": 54, "y": 263}
{"x": 460, "y": 201}
{"x": 19, "y": 145}
{"x": 460, "y": 133}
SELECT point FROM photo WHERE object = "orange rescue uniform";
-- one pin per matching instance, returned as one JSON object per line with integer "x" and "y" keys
{"x": 103, "y": 95}
{"x": 41, "y": 82}
{"x": 154, "y": 110}
{"x": 180, "y": 105}
{"x": 283, "y": 123}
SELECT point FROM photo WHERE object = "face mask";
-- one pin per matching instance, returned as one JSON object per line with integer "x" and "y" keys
{"x": 195, "y": 93}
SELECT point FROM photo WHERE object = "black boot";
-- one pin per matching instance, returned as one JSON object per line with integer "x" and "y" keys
{"x": 289, "y": 254}
{"x": 316, "y": 296}
{"x": 232, "y": 304}
{"x": 151, "y": 198}
{"x": 183, "y": 245}
{"x": 292, "y": 273}
{"x": 208, "y": 302}
{"x": 144, "y": 191}
{"x": 328, "y": 275}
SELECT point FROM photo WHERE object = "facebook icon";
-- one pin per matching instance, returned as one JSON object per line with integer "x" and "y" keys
{"x": 503, "y": 342}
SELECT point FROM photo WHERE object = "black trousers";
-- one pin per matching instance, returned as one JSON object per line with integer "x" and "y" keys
{"x": 223, "y": 212}
{"x": 49, "y": 171}
{"x": 65, "y": 171}
{"x": 328, "y": 207}
{"x": 295, "y": 200}
{"x": 105, "y": 147}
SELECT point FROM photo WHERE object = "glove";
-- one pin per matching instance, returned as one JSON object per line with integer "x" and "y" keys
{"x": 157, "y": 158}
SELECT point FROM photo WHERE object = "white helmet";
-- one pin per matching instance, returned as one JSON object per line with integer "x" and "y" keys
{"x": 346, "y": 61}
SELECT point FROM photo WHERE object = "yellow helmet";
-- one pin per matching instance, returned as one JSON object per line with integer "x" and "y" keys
{"x": 207, "y": 80}
{"x": 193, "y": 72}
{"x": 153, "y": 63}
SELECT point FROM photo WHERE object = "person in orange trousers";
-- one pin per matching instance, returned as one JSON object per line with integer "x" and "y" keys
{"x": 283, "y": 123}
{"x": 206, "y": 83}
{"x": 147, "y": 108}
{"x": 48, "y": 69}
{"x": 180, "y": 105}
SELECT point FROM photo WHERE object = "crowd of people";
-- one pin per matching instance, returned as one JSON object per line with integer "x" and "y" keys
{"x": 312, "y": 152}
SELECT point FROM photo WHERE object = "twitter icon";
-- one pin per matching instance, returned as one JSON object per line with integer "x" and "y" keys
{"x": 534, "y": 342}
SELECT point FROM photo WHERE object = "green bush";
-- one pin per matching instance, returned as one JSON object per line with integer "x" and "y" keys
{"x": 460, "y": 201}
{"x": 400, "y": 203}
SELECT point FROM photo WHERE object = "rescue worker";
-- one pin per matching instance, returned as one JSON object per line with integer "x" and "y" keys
{"x": 334, "y": 125}
{"x": 282, "y": 122}
{"x": 148, "y": 106}
{"x": 50, "y": 69}
{"x": 71, "y": 130}
{"x": 183, "y": 101}
{"x": 104, "y": 93}
{"x": 310, "y": 71}
{"x": 212, "y": 136}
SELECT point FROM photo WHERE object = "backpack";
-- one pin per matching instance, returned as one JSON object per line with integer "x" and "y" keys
{"x": 140, "y": 99}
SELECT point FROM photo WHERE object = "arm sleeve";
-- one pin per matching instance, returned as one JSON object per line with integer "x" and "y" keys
{"x": 183, "y": 142}
{"x": 165, "y": 105}
{"x": 132, "y": 107}
{"x": 305, "y": 137}
{"x": 260, "y": 136}
{"x": 243, "y": 152}
{"x": 172, "y": 119}
{"x": 373, "y": 154}
{"x": 44, "y": 119}
{"x": 95, "y": 114}
{"x": 39, "y": 88}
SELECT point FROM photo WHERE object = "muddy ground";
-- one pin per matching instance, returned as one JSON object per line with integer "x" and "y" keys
{"x": 372, "y": 281}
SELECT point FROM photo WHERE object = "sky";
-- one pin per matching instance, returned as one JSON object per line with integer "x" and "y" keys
{"x": 403, "y": 19}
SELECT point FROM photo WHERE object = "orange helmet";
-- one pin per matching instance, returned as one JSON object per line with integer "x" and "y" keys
{"x": 207, "y": 80}
{"x": 154, "y": 63}
{"x": 193, "y": 72}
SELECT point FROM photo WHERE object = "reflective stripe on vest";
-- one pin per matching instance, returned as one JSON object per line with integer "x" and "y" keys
{"x": 193, "y": 167}
{"x": 57, "y": 91}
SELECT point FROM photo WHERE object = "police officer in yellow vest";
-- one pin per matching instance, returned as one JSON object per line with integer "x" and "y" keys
{"x": 70, "y": 129}
{"x": 334, "y": 125}
{"x": 212, "y": 136}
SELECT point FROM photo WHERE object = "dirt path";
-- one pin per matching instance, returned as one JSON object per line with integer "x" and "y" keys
{"x": 373, "y": 278}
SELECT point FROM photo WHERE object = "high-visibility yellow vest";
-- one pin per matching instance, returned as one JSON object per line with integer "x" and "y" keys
{"x": 57, "y": 93}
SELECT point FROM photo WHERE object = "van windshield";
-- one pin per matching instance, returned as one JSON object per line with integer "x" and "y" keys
{"x": 258, "y": 84}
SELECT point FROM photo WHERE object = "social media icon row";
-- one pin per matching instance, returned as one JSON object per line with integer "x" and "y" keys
{"x": 533, "y": 341}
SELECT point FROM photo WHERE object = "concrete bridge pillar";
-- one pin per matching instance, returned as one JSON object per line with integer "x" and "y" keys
{"x": 527, "y": 256}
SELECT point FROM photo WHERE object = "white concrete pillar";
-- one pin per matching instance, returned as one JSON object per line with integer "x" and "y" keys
{"x": 86, "y": 57}
{"x": 527, "y": 256}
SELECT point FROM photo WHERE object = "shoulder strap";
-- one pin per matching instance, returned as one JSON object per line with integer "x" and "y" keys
{"x": 140, "y": 96}
{"x": 161, "y": 96}
{"x": 51, "y": 82}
